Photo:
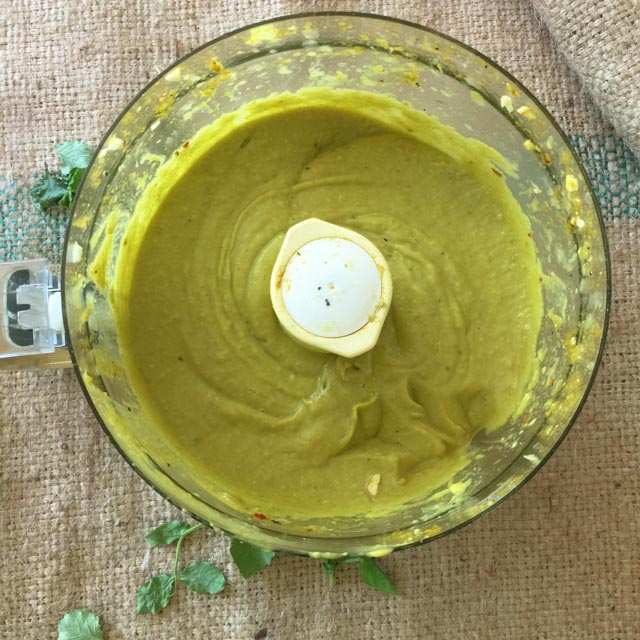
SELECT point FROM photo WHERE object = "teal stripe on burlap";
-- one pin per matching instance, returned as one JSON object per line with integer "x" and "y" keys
{"x": 614, "y": 172}
{"x": 27, "y": 232}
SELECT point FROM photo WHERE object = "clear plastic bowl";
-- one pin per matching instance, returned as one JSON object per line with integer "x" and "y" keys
{"x": 430, "y": 71}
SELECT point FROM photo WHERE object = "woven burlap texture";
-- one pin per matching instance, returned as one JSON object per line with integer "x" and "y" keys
{"x": 601, "y": 41}
{"x": 559, "y": 560}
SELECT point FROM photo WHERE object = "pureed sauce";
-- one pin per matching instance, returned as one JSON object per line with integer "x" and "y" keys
{"x": 287, "y": 431}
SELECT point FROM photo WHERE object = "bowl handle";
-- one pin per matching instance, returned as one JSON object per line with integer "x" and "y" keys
{"x": 31, "y": 326}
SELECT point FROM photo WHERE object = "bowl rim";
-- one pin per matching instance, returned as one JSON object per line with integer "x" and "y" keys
{"x": 274, "y": 535}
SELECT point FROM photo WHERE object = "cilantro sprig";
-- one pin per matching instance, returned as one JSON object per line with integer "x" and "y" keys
{"x": 202, "y": 577}
{"x": 58, "y": 188}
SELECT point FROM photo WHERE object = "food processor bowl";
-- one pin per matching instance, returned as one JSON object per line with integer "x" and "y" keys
{"x": 432, "y": 73}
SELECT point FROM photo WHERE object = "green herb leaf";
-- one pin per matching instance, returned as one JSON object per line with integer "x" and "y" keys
{"x": 66, "y": 200}
{"x": 49, "y": 190}
{"x": 249, "y": 559}
{"x": 203, "y": 577}
{"x": 375, "y": 577}
{"x": 79, "y": 624}
{"x": 155, "y": 594}
{"x": 73, "y": 182}
{"x": 60, "y": 187}
{"x": 73, "y": 154}
{"x": 167, "y": 533}
{"x": 75, "y": 178}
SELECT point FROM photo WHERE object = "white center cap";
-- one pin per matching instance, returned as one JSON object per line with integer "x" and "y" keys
{"x": 331, "y": 287}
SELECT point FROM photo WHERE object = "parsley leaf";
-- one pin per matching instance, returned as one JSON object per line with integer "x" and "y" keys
{"x": 203, "y": 577}
{"x": 79, "y": 624}
{"x": 375, "y": 577}
{"x": 155, "y": 594}
{"x": 49, "y": 190}
{"x": 249, "y": 559}
{"x": 73, "y": 154}
{"x": 168, "y": 533}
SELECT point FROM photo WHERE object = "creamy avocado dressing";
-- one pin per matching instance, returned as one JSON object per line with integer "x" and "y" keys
{"x": 291, "y": 432}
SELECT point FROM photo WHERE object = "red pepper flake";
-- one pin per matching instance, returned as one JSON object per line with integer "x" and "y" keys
{"x": 552, "y": 383}
{"x": 168, "y": 464}
{"x": 309, "y": 528}
{"x": 530, "y": 234}
{"x": 547, "y": 158}
{"x": 185, "y": 145}
{"x": 176, "y": 153}
{"x": 259, "y": 515}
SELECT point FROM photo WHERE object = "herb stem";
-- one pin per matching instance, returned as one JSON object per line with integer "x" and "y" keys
{"x": 178, "y": 545}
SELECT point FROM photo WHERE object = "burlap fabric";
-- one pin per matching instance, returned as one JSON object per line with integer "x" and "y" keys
{"x": 560, "y": 560}
{"x": 601, "y": 41}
